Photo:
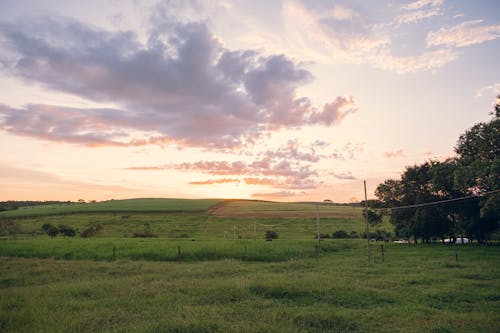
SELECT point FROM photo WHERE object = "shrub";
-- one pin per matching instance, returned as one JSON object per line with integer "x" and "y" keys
{"x": 144, "y": 235}
{"x": 9, "y": 227}
{"x": 91, "y": 231}
{"x": 67, "y": 231}
{"x": 50, "y": 230}
{"x": 340, "y": 234}
{"x": 271, "y": 234}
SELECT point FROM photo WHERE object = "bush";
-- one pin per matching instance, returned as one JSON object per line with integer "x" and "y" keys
{"x": 67, "y": 231}
{"x": 91, "y": 231}
{"x": 9, "y": 227}
{"x": 340, "y": 234}
{"x": 50, "y": 230}
{"x": 144, "y": 235}
{"x": 322, "y": 236}
{"x": 271, "y": 234}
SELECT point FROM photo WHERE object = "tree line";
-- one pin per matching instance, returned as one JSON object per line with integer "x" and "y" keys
{"x": 468, "y": 185}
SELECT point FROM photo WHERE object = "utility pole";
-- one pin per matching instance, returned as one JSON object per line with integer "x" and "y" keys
{"x": 366, "y": 220}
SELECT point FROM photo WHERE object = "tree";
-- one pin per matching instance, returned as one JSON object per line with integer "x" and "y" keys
{"x": 479, "y": 166}
{"x": 374, "y": 218}
{"x": 9, "y": 227}
{"x": 474, "y": 171}
{"x": 271, "y": 234}
{"x": 67, "y": 231}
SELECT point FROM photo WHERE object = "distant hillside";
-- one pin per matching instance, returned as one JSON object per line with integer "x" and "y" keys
{"x": 129, "y": 205}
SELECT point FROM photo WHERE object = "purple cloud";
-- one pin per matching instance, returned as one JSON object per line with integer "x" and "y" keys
{"x": 181, "y": 86}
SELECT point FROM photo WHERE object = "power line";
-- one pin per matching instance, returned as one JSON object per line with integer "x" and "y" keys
{"x": 442, "y": 201}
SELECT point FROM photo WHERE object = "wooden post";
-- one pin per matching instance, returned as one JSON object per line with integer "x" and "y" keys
{"x": 179, "y": 257}
{"x": 382, "y": 248}
{"x": 367, "y": 228}
{"x": 114, "y": 253}
{"x": 317, "y": 230}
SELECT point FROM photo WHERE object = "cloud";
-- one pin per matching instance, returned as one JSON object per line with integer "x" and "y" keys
{"x": 493, "y": 89}
{"x": 181, "y": 86}
{"x": 34, "y": 179}
{"x": 280, "y": 194}
{"x": 348, "y": 152}
{"x": 288, "y": 184}
{"x": 216, "y": 181}
{"x": 360, "y": 40}
{"x": 288, "y": 166}
{"x": 341, "y": 13}
{"x": 464, "y": 34}
{"x": 419, "y": 10}
{"x": 416, "y": 5}
{"x": 90, "y": 127}
{"x": 291, "y": 152}
{"x": 343, "y": 176}
{"x": 426, "y": 61}
{"x": 394, "y": 153}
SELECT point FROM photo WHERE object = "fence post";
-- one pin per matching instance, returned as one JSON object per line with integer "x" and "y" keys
{"x": 179, "y": 257}
{"x": 114, "y": 253}
{"x": 382, "y": 248}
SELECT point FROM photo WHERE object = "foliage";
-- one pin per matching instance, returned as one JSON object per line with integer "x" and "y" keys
{"x": 66, "y": 230}
{"x": 9, "y": 227}
{"x": 474, "y": 172}
{"x": 270, "y": 235}
{"x": 50, "y": 230}
{"x": 340, "y": 234}
{"x": 374, "y": 218}
{"x": 91, "y": 231}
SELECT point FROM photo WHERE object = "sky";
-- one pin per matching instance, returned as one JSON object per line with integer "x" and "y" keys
{"x": 292, "y": 100}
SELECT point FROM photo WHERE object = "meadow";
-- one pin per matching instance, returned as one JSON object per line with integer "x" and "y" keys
{"x": 229, "y": 279}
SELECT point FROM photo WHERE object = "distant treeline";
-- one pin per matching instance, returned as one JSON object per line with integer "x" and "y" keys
{"x": 13, "y": 205}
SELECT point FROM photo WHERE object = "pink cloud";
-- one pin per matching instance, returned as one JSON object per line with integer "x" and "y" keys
{"x": 216, "y": 181}
{"x": 395, "y": 153}
{"x": 275, "y": 195}
{"x": 183, "y": 86}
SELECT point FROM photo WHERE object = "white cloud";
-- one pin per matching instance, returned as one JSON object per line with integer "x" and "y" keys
{"x": 493, "y": 89}
{"x": 417, "y": 11}
{"x": 422, "y": 3}
{"x": 358, "y": 41}
{"x": 464, "y": 34}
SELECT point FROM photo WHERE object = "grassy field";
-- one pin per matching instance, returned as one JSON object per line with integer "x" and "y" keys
{"x": 194, "y": 219}
{"x": 228, "y": 279}
{"x": 129, "y": 205}
{"x": 416, "y": 289}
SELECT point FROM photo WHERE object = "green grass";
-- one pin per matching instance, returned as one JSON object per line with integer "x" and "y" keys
{"x": 229, "y": 282}
{"x": 129, "y": 205}
{"x": 416, "y": 289}
{"x": 193, "y": 225}
{"x": 163, "y": 250}
{"x": 198, "y": 219}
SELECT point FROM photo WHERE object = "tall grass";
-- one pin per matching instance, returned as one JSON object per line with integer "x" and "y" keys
{"x": 416, "y": 289}
{"x": 164, "y": 250}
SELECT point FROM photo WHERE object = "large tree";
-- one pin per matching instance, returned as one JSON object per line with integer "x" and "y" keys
{"x": 475, "y": 171}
